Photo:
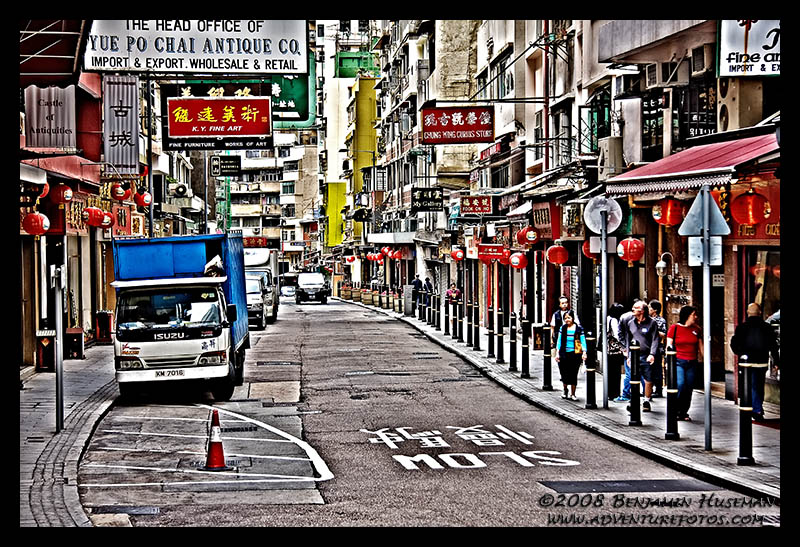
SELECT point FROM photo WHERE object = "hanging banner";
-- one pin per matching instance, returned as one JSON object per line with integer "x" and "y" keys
{"x": 50, "y": 117}
{"x": 121, "y": 115}
{"x": 457, "y": 125}
{"x": 190, "y": 46}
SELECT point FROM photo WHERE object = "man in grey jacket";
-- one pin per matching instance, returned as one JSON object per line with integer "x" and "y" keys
{"x": 641, "y": 327}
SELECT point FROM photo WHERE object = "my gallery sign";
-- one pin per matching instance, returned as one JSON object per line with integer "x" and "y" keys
{"x": 189, "y": 46}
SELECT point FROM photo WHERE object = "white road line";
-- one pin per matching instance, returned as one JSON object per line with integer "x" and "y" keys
{"x": 179, "y": 483}
{"x": 189, "y": 452}
{"x": 204, "y": 437}
{"x": 204, "y": 420}
{"x": 199, "y": 471}
{"x": 318, "y": 463}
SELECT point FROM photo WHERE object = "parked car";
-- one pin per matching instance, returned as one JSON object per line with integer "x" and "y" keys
{"x": 287, "y": 290}
{"x": 256, "y": 300}
{"x": 272, "y": 299}
{"x": 312, "y": 286}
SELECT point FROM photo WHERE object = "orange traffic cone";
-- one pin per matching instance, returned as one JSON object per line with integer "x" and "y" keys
{"x": 215, "y": 461}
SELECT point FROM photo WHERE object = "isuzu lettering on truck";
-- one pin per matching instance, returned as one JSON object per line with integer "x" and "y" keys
{"x": 181, "y": 312}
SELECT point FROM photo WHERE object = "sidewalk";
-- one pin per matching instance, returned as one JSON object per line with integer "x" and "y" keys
{"x": 48, "y": 462}
{"x": 717, "y": 466}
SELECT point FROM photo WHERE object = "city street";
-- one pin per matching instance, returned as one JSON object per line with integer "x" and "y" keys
{"x": 399, "y": 432}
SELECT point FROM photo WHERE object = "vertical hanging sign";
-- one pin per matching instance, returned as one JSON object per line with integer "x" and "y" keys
{"x": 50, "y": 117}
{"x": 121, "y": 115}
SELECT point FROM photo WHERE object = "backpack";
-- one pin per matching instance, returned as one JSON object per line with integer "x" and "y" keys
{"x": 614, "y": 345}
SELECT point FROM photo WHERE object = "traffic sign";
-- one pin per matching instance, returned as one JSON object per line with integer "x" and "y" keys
{"x": 693, "y": 223}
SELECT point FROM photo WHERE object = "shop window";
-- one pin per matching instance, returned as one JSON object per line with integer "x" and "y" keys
{"x": 698, "y": 108}
{"x": 763, "y": 273}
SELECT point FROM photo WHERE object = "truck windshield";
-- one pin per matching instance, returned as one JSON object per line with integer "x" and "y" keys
{"x": 166, "y": 308}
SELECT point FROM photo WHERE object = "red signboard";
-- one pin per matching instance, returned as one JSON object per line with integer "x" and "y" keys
{"x": 477, "y": 205}
{"x": 457, "y": 125}
{"x": 193, "y": 117}
{"x": 767, "y": 231}
{"x": 490, "y": 251}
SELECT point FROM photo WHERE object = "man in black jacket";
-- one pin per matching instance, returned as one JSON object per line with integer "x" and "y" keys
{"x": 643, "y": 329}
{"x": 756, "y": 339}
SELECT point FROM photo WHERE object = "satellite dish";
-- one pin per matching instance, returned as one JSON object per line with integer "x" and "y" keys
{"x": 592, "y": 214}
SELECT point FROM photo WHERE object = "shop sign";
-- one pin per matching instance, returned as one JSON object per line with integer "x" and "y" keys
{"x": 572, "y": 222}
{"x": 477, "y": 205}
{"x": 543, "y": 221}
{"x": 427, "y": 199}
{"x": 210, "y": 117}
{"x": 122, "y": 220}
{"x": 750, "y": 47}
{"x": 50, "y": 117}
{"x": 192, "y": 46}
{"x": 770, "y": 229}
{"x": 121, "y": 115}
{"x": 494, "y": 149}
{"x": 457, "y": 125}
{"x": 137, "y": 224}
{"x": 490, "y": 251}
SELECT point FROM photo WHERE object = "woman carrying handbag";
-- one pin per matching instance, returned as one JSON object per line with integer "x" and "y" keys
{"x": 570, "y": 354}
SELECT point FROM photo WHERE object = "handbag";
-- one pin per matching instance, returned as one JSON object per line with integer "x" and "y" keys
{"x": 614, "y": 345}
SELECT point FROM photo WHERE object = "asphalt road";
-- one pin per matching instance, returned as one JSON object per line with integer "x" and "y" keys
{"x": 361, "y": 421}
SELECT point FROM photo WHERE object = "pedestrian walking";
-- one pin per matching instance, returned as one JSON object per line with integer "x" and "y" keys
{"x": 415, "y": 291}
{"x": 658, "y": 365}
{"x": 756, "y": 339}
{"x": 453, "y": 294}
{"x": 558, "y": 318}
{"x": 570, "y": 354}
{"x": 616, "y": 359}
{"x": 686, "y": 338}
{"x": 641, "y": 328}
{"x": 626, "y": 385}
{"x": 428, "y": 291}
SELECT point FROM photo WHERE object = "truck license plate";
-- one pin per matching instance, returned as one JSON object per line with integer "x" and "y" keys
{"x": 168, "y": 373}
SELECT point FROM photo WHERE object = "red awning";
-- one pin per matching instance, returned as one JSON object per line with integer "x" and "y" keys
{"x": 709, "y": 163}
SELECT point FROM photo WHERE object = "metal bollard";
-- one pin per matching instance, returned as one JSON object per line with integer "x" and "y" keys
{"x": 526, "y": 332}
{"x": 460, "y": 320}
{"x": 455, "y": 319}
{"x": 512, "y": 342}
{"x": 438, "y": 311}
{"x": 490, "y": 328}
{"x": 745, "y": 412}
{"x": 428, "y": 307}
{"x": 446, "y": 317}
{"x": 421, "y": 305}
{"x": 500, "y": 334}
{"x": 468, "y": 313}
{"x": 547, "y": 364}
{"x": 672, "y": 396}
{"x": 591, "y": 368}
{"x": 476, "y": 325}
{"x": 636, "y": 411}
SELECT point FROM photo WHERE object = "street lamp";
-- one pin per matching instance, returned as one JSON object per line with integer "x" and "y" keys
{"x": 661, "y": 265}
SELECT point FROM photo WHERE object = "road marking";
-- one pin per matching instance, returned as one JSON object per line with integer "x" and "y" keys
{"x": 191, "y": 453}
{"x": 199, "y": 471}
{"x": 204, "y": 437}
{"x": 317, "y": 461}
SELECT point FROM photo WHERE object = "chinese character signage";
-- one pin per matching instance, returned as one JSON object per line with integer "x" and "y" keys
{"x": 121, "y": 114}
{"x": 750, "y": 47}
{"x": 427, "y": 199}
{"x": 477, "y": 205}
{"x": 190, "y": 46}
{"x": 219, "y": 123}
{"x": 50, "y": 117}
{"x": 457, "y": 125}
{"x": 490, "y": 251}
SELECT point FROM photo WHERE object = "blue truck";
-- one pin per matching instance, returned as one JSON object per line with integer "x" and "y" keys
{"x": 181, "y": 311}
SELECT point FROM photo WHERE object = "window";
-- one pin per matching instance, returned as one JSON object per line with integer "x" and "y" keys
{"x": 288, "y": 211}
{"x": 503, "y": 75}
{"x": 500, "y": 176}
{"x": 287, "y": 188}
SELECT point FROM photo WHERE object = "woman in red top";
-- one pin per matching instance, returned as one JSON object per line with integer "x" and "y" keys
{"x": 686, "y": 337}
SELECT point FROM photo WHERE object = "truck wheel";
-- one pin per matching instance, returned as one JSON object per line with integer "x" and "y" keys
{"x": 324, "y": 299}
{"x": 274, "y": 316}
{"x": 222, "y": 390}
{"x": 262, "y": 324}
{"x": 297, "y": 300}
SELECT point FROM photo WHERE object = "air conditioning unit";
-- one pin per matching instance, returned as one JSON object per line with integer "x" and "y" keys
{"x": 739, "y": 103}
{"x": 610, "y": 161}
{"x": 178, "y": 189}
{"x": 658, "y": 74}
{"x": 702, "y": 59}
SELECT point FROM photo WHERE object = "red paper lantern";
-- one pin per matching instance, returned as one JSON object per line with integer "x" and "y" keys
{"x": 378, "y": 256}
{"x": 521, "y": 239}
{"x": 631, "y": 250}
{"x": 93, "y": 216}
{"x": 108, "y": 219}
{"x": 119, "y": 193}
{"x": 506, "y": 255}
{"x": 518, "y": 260}
{"x": 398, "y": 254}
{"x": 586, "y": 248}
{"x": 61, "y": 194}
{"x": 386, "y": 251}
{"x": 36, "y": 224}
{"x": 557, "y": 254}
{"x": 143, "y": 200}
{"x": 668, "y": 212}
{"x": 351, "y": 259}
{"x": 45, "y": 190}
{"x": 750, "y": 208}
{"x": 457, "y": 254}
